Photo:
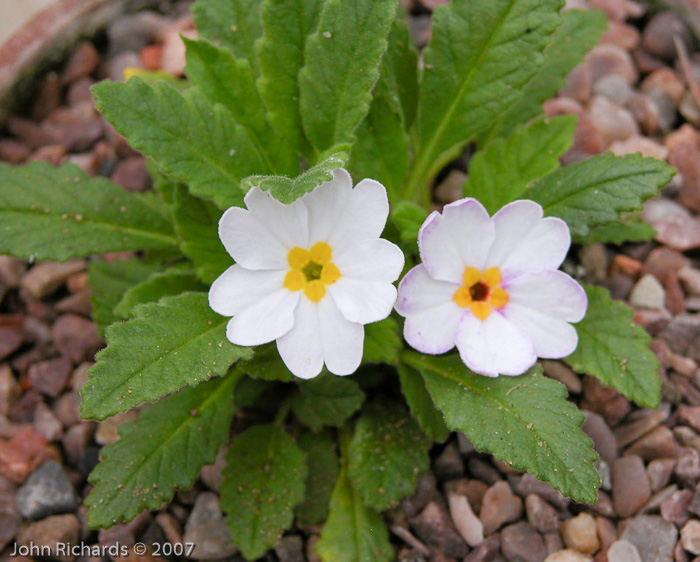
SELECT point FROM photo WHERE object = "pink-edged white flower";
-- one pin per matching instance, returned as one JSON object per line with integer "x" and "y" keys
{"x": 490, "y": 286}
{"x": 309, "y": 275}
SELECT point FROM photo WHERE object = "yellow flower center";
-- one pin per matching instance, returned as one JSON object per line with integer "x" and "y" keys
{"x": 481, "y": 291}
{"x": 311, "y": 270}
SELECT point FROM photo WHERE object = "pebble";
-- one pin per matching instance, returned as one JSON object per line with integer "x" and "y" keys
{"x": 11, "y": 270}
{"x": 132, "y": 175}
{"x": 51, "y": 532}
{"x": 22, "y": 454}
{"x": 434, "y": 527}
{"x": 75, "y": 442}
{"x": 690, "y": 536}
{"x": 647, "y": 114}
{"x": 540, "y": 514}
{"x": 134, "y": 32}
{"x": 46, "y": 492}
{"x": 675, "y": 507}
{"x": 682, "y": 335}
{"x": 76, "y": 338}
{"x": 449, "y": 464}
{"x": 643, "y": 145}
{"x": 658, "y": 443}
{"x": 621, "y": 34}
{"x": 659, "y": 472}
{"x": 675, "y": 226}
{"x": 10, "y": 341}
{"x": 452, "y": 187}
{"x": 665, "y": 108}
{"x": 46, "y": 423}
{"x": 486, "y": 551}
{"x": 559, "y": 371}
{"x": 290, "y": 549}
{"x": 499, "y": 506}
{"x": 684, "y": 155}
{"x": 580, "y": 533}
{"x": 208, "y": 530}
{"x": 50, "y": 377}
{"x": 568, "y": 555}
{"x": 527, "y": 484}
{"x": 426, "y": 490}
{"x": 465, "y": 521}
{"x": 690, "y": 278}
{"x": 631, "y": 488}
{"x": 520, "y": 542}
{"x": 14, "y": 152}
{"x": 108, "y": 430}
{"x": 552, "y": 541}
{"x": 579, "y": 84}
{"x": 694, "y": 506}
{"x": 9, "y": 389}
{"x": 603, "y": 438}
{"x": 648, "y": 292}
{"x": 607, "y": 532}
{"x": 689, "y": 109}
{"x": 659, "y": 33}
{"x": 623, "y": 551}
{"x": 44, "y": 278}
{"x": 687, "y": 468}
{"x": 67, "y": 408}
{"x": 653, "y": 537}
{"x": 618, "y": 10}
{"x": 605, "y": 401}
{"x": 82, "y": 62}
{"x": 613, "y": 87}
{"x": 614, "y": 122}
{"x": 666, "y": 80}
{"x": 611, "y": 59}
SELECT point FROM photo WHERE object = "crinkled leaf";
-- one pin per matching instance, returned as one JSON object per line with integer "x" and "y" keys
{"x": 578, "y": 34}
{"x": 481, "y": 54}
{"x": 197, "y": 227}
{"x": 614, "y": 349}
{"x": 262, "y": 483}
{"x": 342, "y": 65}
{"x": 233, "y": 24}
{"x": 402, "y": 62}
{"x": 160, "y": 452}
{"x": 286, "y": 25}
{"x": 500, "y": 172}
{"x": 408, "y": 218}
{"x": 191, "y": 140}
{"x": 594, "y": 192}
{"x": 168, "y": 283}
{"x": 630, "y": 228}
{"x": 230, "y": 82}
{"x": 322, "y": 463}
{"x": 108, "y": 282}
{"x": 387, "y": 453}
{"x": 175, "y": 342}
{"x": 382, "y": 342}
{"x": 288, "y": 190}
{"x": 524, "y": 421}
{"x": 267, "y": 365}
{"x": 421, "y": 404}
{"x": 327, "y": 400}
{"x": 152, "y": 76}
{"x": 50, "y": 213}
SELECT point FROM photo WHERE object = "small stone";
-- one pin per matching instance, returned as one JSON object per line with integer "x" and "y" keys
{"x": 426, "y": 490}
{"x": 521, "y": 542}
{"x": 675, "y": 507}
{"x": 173, "y": 57}
{"x": 108, "y": 430}
{"x": 211, "y": 474}
{"x": 568, "y": 555}
{"x": 648, "y": 116}
{"x": 579, "y": 83}
{"x": 449, "y": 464}
{"x": 666, "y": 80}
{"x": 611, "y": 59}
{"x": 170, "y": 526}
{"x": 643, "y": 145}
{"x": 564, "y": 374}
{"x": 688, "y": 466}
{"x": 9, "y": 389}
{"x": 452, "y": 187}
{"x": 75, "y": 443}
{"x": 46, "y": 423}
{"x": 54, "y": 154}
{"x": 690, "y": 278}
{"x": 483, "y": 470}
{"x": 290, "y": 549}
{"x": 44, "y": 278}
{"x": 11, "y": 271}
{"x": 50, "y": 377}
{"x": 659, "y": 34}
{"x": 434, "y": 527}
{"x": 659, "y": 472}
{"x": 116, "y": 66}
{"x": 552, "y": 541}
{"x": 690, "y": 536}
{"x": 603, "y": 438}
{"x": 658, "y": 443}
{"x": 207, "y": 529}
{"x": 689, "y": 109}
{"x": 631, "y": 488}
{"x": 132, "y": 175}
{"x": 665, "y": 108}
{"x": 500, "y": 505}
{"x": 605, "y": 401}
{"x": 528, "y": 484}
{"x": 132, "y": 32}
{"x": 684, "y": 155}
{"x": 464, "y": 519}
{"x": 22, "y": 454}
{"x": 13, "y": 151}
{"x": 52, "y": 532}
{"x": 81, "y": 63}
{"x": 67, "y": 408}
{"x": 618, "y": 10}
{"x": 46, "y": 492}
{"x": 540, "y": 514}
{"x": 623, "y": 551}
{"x": 79, "y": 91}
{"x": 662, "y": 260}
{"x": 682, "y": 334}
{"x": 607, "y": 532}
{"x": 10, "y": 341}
{"x": 613, "y": 87}
{"x": 621, "y": 34}
{"x": 76, "y": 338}
{"x": 648, "y": 293}
{"x": 614, "y": 122}
{"x": 653, "y": 537}
{"x": 580, "y": 533}
{"x": 486, "y": 551}
{"x": 674, "y": 225}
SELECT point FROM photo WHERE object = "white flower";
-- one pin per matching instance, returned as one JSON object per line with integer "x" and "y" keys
{"x": 490, "y": 286}
{"x": 309, "y": 275}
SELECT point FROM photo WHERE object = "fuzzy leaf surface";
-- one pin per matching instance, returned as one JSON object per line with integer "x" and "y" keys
{"x": 323, "y": 467}
{"x": 190, "y": 139}
{"x": 594, "y": 192}
{"x": 524, "y": 421}
{"x": 481, "y": 54}
{"x": 327, "y": 400}
{"x": 50, "y": 213}
{"x": 500, "y": 172}
{"x": 387, "y": 453}
{"x": 421, "y": 404}
{"x": 175, "y": 342}
{"x": 168, "y": 283}
{"x": 342, "y": 59}
{"x": 263, "y": 481}
{"x": 630, "y": 228}
{"x": 408, "y": 218}
{"x": 382, "y": 342}
{"x": 160, "y": 452}
{"x": 614, "y": 349}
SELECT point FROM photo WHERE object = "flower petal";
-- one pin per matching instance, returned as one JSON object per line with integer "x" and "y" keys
{"x": 238, "y": 288}
{"x": 553, "y": 338}
{"x": 378, "y": 260}
{"x": 361, "y": 300}
{"x": 301, "y": 348}
{"x": 342, "y": 340}
{"x": 553, "y": 293}
{"x": 288, "y": 223}
{"x": 268, "y": 319}
{"x": 494, "y": 346}
{"x": 527, "y": 242}
{"x": 418, "y": 291}
{"x": 440, "y": 254}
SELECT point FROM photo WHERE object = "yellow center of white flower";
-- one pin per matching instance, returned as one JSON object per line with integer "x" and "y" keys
{"x": 311, "y": 270}
{"x": 481, "y": 292}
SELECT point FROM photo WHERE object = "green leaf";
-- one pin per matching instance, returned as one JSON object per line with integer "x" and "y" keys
{"x": 191, "y": 140}
{"x": 353, "y": 532}
{"x": 594, "y": 192}
{"x": 197, "y": 226}
{"x": 342, "y": 65}
{"x": 233, "y": 24}
{"x": 109, "y": 281}
{"x": 614, "y": 349}
{"x": 176, "y": 342}
{"x": 387, "y": 454}
{"x": 421, "y": 404}
{"x": 382, "y": 342}
{"x": 168, "y": 283}
{"x": 160, "y": 452}
{"x": 288, "y": 190}
{"x": 150, "y": 77}
{"x": 408, "y": 218}
{"x": 630, "y": 228}
{"x": 49, "y": 213}
{"x": 500, "y": 172}
{"x": 524, "y": 421}
{"x": 322, "y": 463}
{"x": 327, "y": 400}
{"x": 230, "y": 82}
{"x": 267, "y": 365}
{"x": 481, "y": 54}
{"x": 286, "y": 25}
{"x": 401, "y": 62}
{"x": 262, "y": 483}
{"x": 578, "y": 34}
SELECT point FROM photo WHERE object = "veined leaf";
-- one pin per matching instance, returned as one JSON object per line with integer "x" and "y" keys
{"x": 327, "y": 400}
{"x": 594, "y": 192}
{"x": 191, "y": 140}
{"x": 524, "y": 421}
{"x": 481, "y": 54}
{"x": 500, "y": 172}
{"x": 263, "y": 482}
{"x": 421, "y": 404}
{"x": 614, "y": 349}
{"x": 630, "y": 228}
{"x": 234, "y": 24}
{"x": 230, "y": 82}
{"x": 168, "y": 283}
{"x": 402, "y": 59}
{"x": 342, "y": 65}
{"x": 162, "y": 451}
{"x": 387, "y": 453}
{"x": 322, "y": 463}
{"x": 382, "y": 342}
{"x": 408, "y": 218}
{"x": 286, "y": 25}
{"x": 176, "y": 342}
{"x": 52, "y": 213}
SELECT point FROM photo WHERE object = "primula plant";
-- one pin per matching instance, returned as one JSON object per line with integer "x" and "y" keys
{"x": 292, "y": 189}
